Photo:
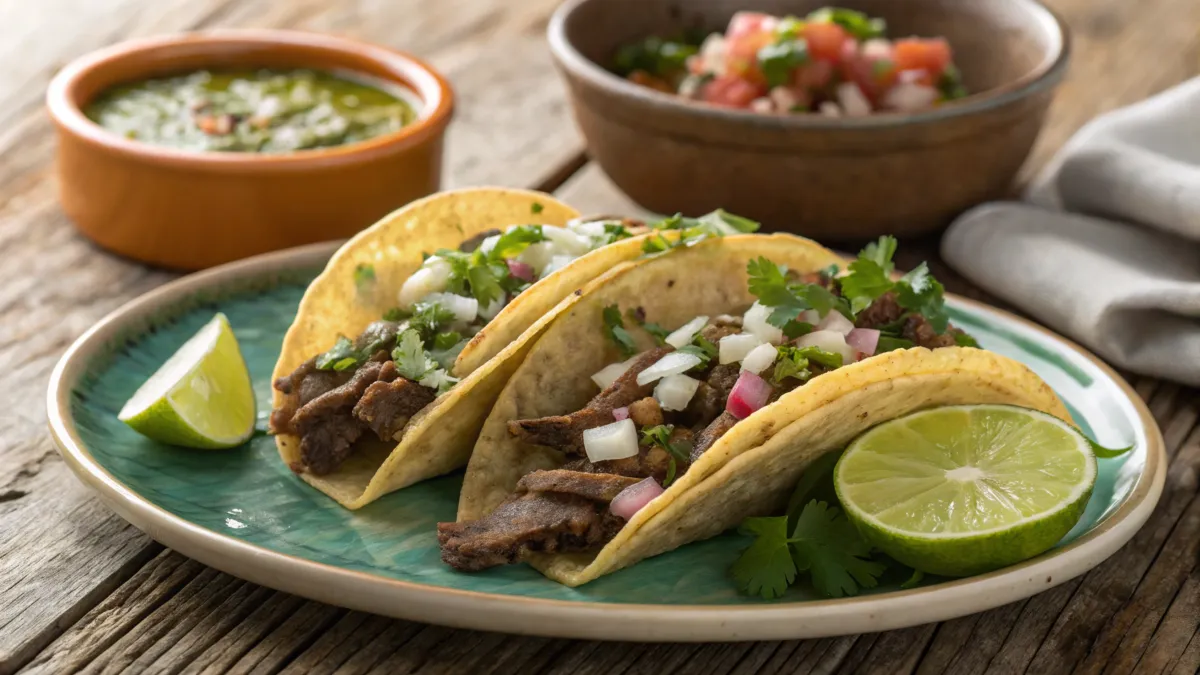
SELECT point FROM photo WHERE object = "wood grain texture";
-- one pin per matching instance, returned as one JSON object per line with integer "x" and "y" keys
{"x": 82, "y": 591}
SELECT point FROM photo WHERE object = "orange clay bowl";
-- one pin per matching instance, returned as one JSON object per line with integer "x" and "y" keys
{"x": 835, "y": 179}
{"x": 189, "y": 210}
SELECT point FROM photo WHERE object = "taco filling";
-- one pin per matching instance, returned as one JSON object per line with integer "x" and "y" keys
{"x": 660, "y": 410}
{"x": 372, "y": 385}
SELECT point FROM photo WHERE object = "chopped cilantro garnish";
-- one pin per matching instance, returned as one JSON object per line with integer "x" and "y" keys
{"x": 409, "y": 355}
{"x": 695, "y": 230}
{"x": 654, "y": 55}
{"x": 346, "y": 363}
{"x": 364, "y": 276}
{"x": 950, "y": 83}
{"x": 790, "y": 363}
{"x": 342, "y": 349}
{"x": 964, "y": 340}
{"x": 657, "y": 244}
{"x": 914, "y": 580}
{"x": 638, "y": 316}
{"x": 444, "y": 341}
{"x": 428, "y": 317}
{"x": 919, "y": 292}
{"x": 776, "y": 61}
{"x": 614, "y": 232}
{"x": 857, "y": 24}
{"x": 823, "y": 543}
{"x": 820, "y": 356}
{"x": 679, "y": 452}
{"x": 701, "y": 347}
{"x": 769, "y": 283}
{"x": 888, "y": 343}
{"x": 870, "y": 274}
{"x": 395, "y": 314}
{"x": 514, "y": 241}
{"x": 486, "y": 276}
{"x": 536, "y": 208}
{"x": 485, "y": 284}
{"x": 615, "y": 328}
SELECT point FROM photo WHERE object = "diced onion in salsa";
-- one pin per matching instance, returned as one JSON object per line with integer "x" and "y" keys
{"x": 617, "y": 440}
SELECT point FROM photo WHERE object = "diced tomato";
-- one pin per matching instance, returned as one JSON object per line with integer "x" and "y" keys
{"x": 731, "y": 91}
{"x": 813, "y": 75}
{"x": 743, "y": 23}
{"x": 741, "y": 54}
{"x": 932, "y": 54}
{"x": 825, "y": 40}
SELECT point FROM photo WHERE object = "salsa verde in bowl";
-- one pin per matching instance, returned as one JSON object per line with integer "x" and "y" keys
{"x": 231, "y": 183}
{"x": 254, "y": 110}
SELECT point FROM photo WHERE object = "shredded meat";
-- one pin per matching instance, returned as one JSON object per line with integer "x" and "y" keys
{"x": 646, "y": 412}
{"x": 711, "y": 433}
{"x": 918, "y": 330}
{"x": 326, "y": 426}
{"x": 566, "y": 431}
{"x": 551, "y": 522}
{"x": 386, "y": 406}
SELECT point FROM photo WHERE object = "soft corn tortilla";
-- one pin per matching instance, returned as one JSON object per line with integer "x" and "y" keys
{"x": 439, "y": 438}
{"x": 752, "y": 469}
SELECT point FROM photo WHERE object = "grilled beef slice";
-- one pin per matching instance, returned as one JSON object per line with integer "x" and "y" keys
{"x": 559, "y": 519}
{"x": 566, "y": 431}
{"x": 714, "y": 431}
{"x": 712, "y": 394}
{"x": 886, "y": 310}
{"x": 387, "y": 405}
{"x": 327, "y": 426}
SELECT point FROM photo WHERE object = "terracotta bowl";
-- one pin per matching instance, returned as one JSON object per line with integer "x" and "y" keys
{"x": 189, "y": 210}
{"x": 841, "y": 179}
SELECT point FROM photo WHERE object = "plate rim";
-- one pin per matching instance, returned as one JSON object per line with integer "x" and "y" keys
{"x": 515, "y": 614}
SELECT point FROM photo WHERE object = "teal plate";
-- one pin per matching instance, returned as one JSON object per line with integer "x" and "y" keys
{"x": 242, "y": 511}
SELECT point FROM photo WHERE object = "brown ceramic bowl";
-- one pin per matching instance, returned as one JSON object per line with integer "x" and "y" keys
{"x": 840, "y": 179}
{"x": 190, "y": 210}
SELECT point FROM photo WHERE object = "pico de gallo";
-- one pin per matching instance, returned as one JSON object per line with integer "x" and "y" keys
{"x": 834, "y": 62}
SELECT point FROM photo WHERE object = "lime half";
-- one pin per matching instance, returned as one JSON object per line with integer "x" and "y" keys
{"x": 962, "y": 490}
{"x": 201, "y": 397}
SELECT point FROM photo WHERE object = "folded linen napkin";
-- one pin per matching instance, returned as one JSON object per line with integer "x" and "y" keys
{"x": 1122, "y": 273}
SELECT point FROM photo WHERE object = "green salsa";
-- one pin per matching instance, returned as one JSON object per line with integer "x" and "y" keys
{"x": 267, "y": 111}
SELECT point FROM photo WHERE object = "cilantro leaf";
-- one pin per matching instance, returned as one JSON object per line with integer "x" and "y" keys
{"x": 765, "y": 568}
{"x": 815, "y": 483}
{"x": 789, "y": 363}
{"x": 857, "y": 24}
{"x": 820, "y": 356}
{"x": 638, "y": 316}
{"x": 536, "y": 208}
{"x": 394, "y": 314}
{"x": 880, "y": 252}
{"x": 914, "y": 580}
{"x": 514, "y": 241}
{"x": 776, "y": 61}
{"x": 825, "y": 544}
{"x": 1107, "y": 453}
{"x": 428, "y": 317}
{"x": 739, "y": 223}
{"x": 409, "y": 355}
{"x": 615, "y": 328}
{"x": 701, "y": 347}
{"x": 656, "y": 244}
{"x": 950, "y": 83}
{"x": 680, "y": 452}
{"x": 768, "y": 283}
{"x": 888, "y": 343}
{"x": 340, "y": 351}
{"x": 866, "y": 281}
{"x": 919, "y": 292}
{"x": 964, "y": 340}
{"x": 364, "y": 276}
{"x": 485, "y": 284}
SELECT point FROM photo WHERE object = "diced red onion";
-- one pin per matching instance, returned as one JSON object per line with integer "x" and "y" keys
{"x": 828, "y": 340}
{"x": 834, "y": 321}
{"x": 631, "y": 500}
{"x": 621, "y": 413}
{"x": 684, "y": 334}
{"x": 520, "y": 270}
{"x": 617, "y": 440}
{"x": 755, "y": 323}
{"x": 760, "y": 358}
{"x": 674, "y": 392}
{"x": 750, "y": 393}
{"x": 671, "y": 364}
{"x": 734, "y": 348}
{"x": 863, "y": 340}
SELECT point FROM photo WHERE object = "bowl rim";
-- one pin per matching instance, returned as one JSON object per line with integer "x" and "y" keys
{"x": 430, "y": 86}
{"x": 1046, "y": 74}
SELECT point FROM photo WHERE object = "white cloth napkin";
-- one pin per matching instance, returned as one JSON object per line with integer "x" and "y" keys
{"x": 1121, "y": 274}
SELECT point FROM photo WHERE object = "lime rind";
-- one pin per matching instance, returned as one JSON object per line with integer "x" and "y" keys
{"x": 1020, "y": 480}
{"x": 201, "y": 397}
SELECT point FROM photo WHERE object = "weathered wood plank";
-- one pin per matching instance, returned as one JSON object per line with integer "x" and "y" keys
{"x": 488, "y": 49}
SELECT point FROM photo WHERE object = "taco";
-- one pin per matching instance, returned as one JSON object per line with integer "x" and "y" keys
{"x": 403, "y": 342}
{"x": 686, "y": 392}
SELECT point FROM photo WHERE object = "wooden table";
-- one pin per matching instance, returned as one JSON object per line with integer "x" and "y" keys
{"x": 81, "y": 589}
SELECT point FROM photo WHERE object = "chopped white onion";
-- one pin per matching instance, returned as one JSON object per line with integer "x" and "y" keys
{"x": 828, "y": 340}
{"x": 829, "y": 109}
{"x": 617, "y": 440}
{"x": 760, "y": 358}
{"x": 556, "y": 263}
{"x": 537, "y": 256}
{"x": 712, "y": 54}
{"x": 635, "y": 497}
{"x": 684, "y": 334}
{"x": 762, "y": 105}
{"x": 809, "y": 316}
{"x": 489, "y": 243}
{"x": 566, "y": 241}
{"x": 910, "y": 97}
{"x": 588, "y": 228}
{"x": 784, "y": 99}
{"x": 464, "y": 308}
{"x": 671, "y": 364}
{"x": 431, "y": 278}
{"x": 852, "y": 100}
{"x": 734, "y": 348}
{"x": 755, "y": 323}
{"x": 609, "y": 374}
{"x": 836, "y": 322}
{"x": 674, "y": 392}
{"x": 493, "y": 308}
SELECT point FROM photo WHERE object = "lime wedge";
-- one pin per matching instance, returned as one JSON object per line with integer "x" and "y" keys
{"x": 201, "y": 397}
{"x": 962, "y": 490}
